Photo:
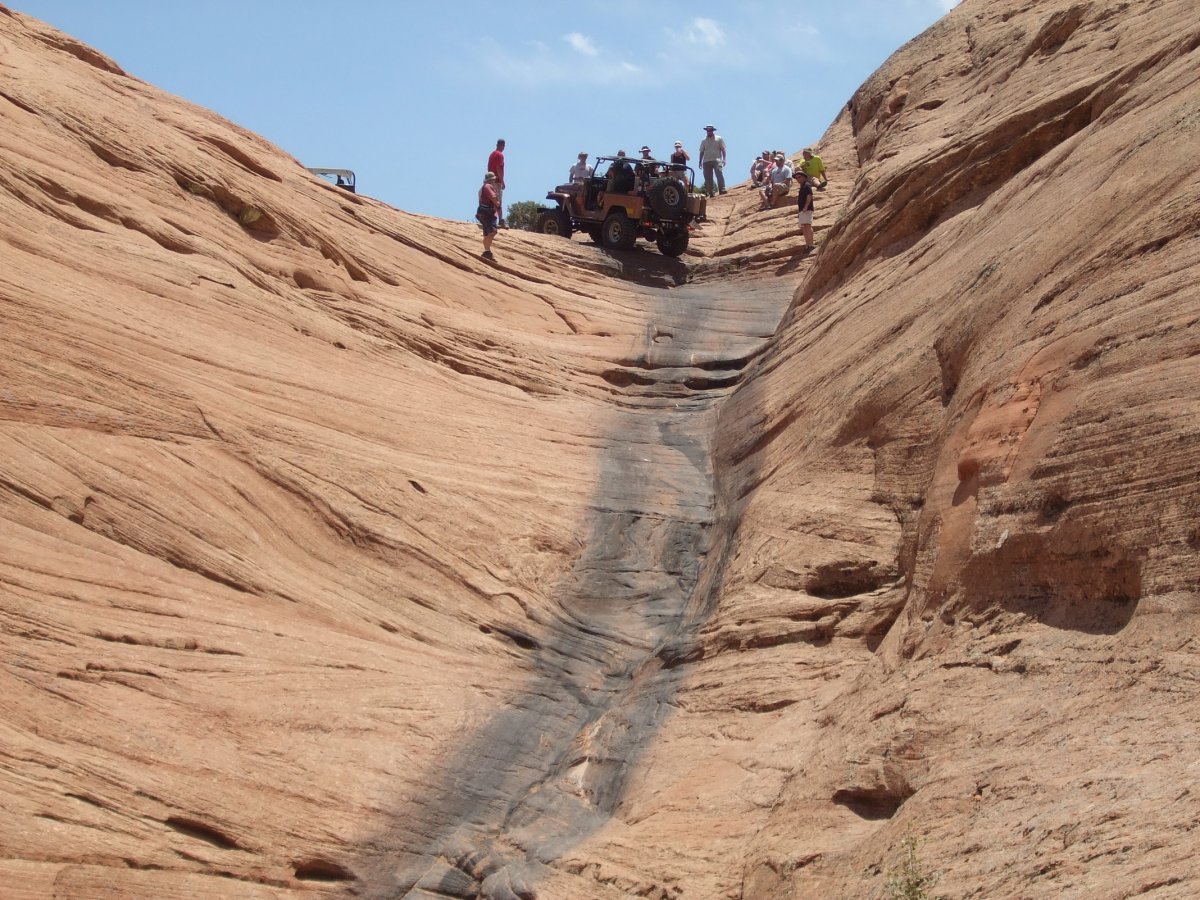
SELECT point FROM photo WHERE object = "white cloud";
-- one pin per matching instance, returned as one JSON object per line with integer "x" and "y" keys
{"x": 581, "y": 43}
{"x": 534, "y": 65}
{"x": 705, "y": 32}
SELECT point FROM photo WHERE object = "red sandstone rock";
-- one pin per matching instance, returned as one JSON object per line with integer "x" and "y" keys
{"x": 333, "y": 560}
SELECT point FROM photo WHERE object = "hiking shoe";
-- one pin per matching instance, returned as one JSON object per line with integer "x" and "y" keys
{"x": 487, "y": 254}
{"x": 723, "y": 192}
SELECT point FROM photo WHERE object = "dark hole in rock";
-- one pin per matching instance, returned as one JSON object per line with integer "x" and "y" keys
{"x": 323, "y": 870}
{"x": 202, "y": 831}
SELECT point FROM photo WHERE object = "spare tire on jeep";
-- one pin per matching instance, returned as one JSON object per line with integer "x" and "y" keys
{"x": 668, "y": 198}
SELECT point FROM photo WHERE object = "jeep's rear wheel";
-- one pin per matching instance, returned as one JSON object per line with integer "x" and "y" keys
{"x": 618, "y": 233}
{"x": 554, "y": 221}
{"x": 672, "y": 241}
{"x": 668, "y": 198}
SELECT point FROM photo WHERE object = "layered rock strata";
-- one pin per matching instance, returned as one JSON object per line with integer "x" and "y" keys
{"x": 337, "y": 561}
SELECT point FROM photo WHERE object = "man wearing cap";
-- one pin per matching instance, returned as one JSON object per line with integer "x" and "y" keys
{"x": 680, "y": 158}
{"x": 496, "y": 167}
{"x": 488, "y": 211}
{"x": 805, "y": 205}
{"x": 647, "y": 169}
{"x": 712, "y": 159}
{"x": 814, "y": 167}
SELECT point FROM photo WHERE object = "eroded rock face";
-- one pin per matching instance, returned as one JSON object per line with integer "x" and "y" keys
{"x": 336, "y": 561}
{"x": 1008, "y": 420}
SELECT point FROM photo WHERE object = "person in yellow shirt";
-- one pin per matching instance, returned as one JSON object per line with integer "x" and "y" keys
{"x": 814, "y": 167}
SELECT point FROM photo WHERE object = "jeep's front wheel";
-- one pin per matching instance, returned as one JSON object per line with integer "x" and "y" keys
{"x": 672, "y": 241}
{"x": 553, "y": 221}
{"x": 668, "y": 198}
{"x": 617, "y": 232}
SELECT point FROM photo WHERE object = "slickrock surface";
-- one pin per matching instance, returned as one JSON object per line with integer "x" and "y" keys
{"x": 335, "y": 561}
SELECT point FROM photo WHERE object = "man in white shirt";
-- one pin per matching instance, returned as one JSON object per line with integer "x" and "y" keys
{"x": 581, "y": 171}
{"x": 712, "y": 159}
{"x": 780, "y": 182}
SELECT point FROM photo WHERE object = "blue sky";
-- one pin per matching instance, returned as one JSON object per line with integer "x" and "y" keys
{"x": 412, "y": 96}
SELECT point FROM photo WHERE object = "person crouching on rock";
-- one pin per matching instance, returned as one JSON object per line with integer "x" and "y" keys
{"x": 488, "y": 212}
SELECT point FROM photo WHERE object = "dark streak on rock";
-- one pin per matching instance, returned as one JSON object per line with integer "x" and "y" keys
{"x": 546, "y": 772}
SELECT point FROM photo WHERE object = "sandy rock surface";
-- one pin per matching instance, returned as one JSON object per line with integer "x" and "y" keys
{"x": 337, "y": 561}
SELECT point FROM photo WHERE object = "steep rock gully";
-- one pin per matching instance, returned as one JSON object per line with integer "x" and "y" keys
{"x": 543, "y": 775}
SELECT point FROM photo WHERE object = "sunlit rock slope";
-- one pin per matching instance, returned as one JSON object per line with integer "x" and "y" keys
{"x": 335, "y": 561}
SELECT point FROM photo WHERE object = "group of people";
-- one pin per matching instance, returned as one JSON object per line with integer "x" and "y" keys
{"x": 711, "y": 160}
{"x": 490, "y": 213}
{"x": 771, "y": 173}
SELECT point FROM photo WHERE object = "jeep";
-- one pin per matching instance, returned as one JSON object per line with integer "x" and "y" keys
{"x": 625, "y": 199}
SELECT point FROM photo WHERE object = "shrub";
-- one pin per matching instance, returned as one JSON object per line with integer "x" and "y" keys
{"x": 910, "y": 882}
{"x": 522, "y": 215}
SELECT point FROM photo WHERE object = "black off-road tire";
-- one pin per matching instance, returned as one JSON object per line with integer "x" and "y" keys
{"x": 618, "y": 232}
{"x": 672, "y": 241}
{"x": 668, "y": 198}
{"x": 553, "y": 221}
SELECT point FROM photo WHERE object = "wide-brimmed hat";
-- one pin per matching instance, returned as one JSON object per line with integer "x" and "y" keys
{"x": 679, "y": 143}
{"x": 710, "y": 127}
{"x": 645, "y": 150}
{"x": 490, "y": 176}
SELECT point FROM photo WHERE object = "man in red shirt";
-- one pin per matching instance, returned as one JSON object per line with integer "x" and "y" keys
{"x": 496, "y": 167}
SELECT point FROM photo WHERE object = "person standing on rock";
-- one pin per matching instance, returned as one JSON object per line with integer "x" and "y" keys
{"x": 805, "y": 204}
{"x": 581, "y": 171}
{"x": 712, "y": 160}
{"x": 496, "y": 167}
{"x": 488, "y": 212}
{"x": 814, "y": 167}
{"x": 679, "y": 157}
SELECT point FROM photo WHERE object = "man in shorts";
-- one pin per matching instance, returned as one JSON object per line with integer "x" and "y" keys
{"x": 496, "y": 167}
{"x": 487, "y": 213}
{"x": 805, "y": 206}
